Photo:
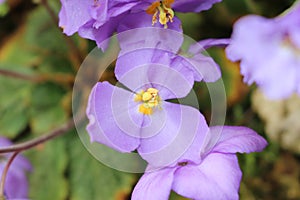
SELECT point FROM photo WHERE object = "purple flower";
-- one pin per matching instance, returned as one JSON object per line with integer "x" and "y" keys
{"x": 99, "y": 19}
{"x": 140, "y": 117}
{"x": 215, "y": 175}
{"x": 16, "y": 185}
{"x": 269, "y": 52}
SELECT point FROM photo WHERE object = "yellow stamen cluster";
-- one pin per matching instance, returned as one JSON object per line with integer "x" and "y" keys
{"x": 150, "y": 99}
{"x": 163, "y": 10}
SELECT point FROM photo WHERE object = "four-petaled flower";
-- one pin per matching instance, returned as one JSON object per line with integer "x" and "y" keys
{"x": 269, "y": 51}
{"x": 140, "y": 117}
{"x": 16, "y": 184}
{"x": 214, "y": 175}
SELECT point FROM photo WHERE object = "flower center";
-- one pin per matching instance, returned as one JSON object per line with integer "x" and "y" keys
{"x": 288, "y": 44}
{"x": 163, "y": 10}
{"x": 150, "y": 99}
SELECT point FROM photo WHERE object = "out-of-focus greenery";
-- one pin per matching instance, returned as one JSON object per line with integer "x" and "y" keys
{"x": 33, "y": 46}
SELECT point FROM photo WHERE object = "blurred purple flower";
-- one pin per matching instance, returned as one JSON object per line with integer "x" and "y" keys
{"x": 16, "y": 184}
{"x": 99, "y": 19}
{"x": 269, "y": 52}
{"x": 216, "y": 173}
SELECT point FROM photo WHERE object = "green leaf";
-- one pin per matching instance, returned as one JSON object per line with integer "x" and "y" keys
{"x": 89, "y": 179}
{"x": 13, "y": 119}
{"x": 31, "y": 50}
{"x": 47, "y": 181}
{"x": 14, "y": 102}
{"x": 47, "y": 111}
{"x": 47, "y": 94}
{"x": 4, "y": 8}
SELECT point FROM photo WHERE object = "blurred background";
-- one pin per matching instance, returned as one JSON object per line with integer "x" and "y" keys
{"x": 38, "y": 66}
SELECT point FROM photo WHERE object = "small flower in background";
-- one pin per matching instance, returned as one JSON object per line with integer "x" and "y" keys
{"x": 99, "y": 19}
{"x": 16, "y": 184}
{"x": 269, "y": 52}
{"x": 216, "y": 173}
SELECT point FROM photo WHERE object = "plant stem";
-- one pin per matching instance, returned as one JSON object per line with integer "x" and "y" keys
{"x": 36, "y": 141}
{"x": 18, "y": 75}
{"x": 3, "y": 178}
{"x": 57, "y": 78}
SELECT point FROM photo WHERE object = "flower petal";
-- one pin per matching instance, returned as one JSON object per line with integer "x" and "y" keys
{"x": 173, "y": 81}
{"x": 154, "y": 185}
{"x": 244, "y": 43}
{"x": 74, "y": 14}
{"x": 235, "y": 139}
{"x": 20, "y": 161}
{"x": 208, "y": 43}
{"x": 217, "y": 177}
{"x": 4, "y": 142}
{"x": 193, "y": 153}
{"x": 114, "y": 120}
{"x": 100, "y": 34}
{"x": 267, "y": 78}
{"x": 204, "y": 67}
{"x": 175, "y": 137}
{"x": 16, "y": 185}
{"x": 134, "y": 64}
{"x": 136, "y": 32}
{"x": 193, "y": 5}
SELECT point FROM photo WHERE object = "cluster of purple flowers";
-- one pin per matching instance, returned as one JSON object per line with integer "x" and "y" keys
{"x": 183, "y": 153}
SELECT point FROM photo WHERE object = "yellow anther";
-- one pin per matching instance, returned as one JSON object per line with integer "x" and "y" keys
{"x": 163, "y": 10}
{"x": 145, "y": 110}
{"x": 138, "y": 97}
{"x": 149, "y": 98}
